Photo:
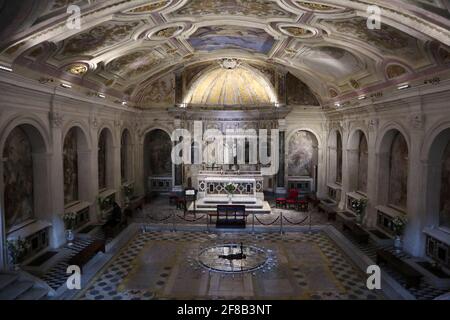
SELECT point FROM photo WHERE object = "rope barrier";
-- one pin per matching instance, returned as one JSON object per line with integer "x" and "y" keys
{"x": 194, "y": 220}
{"x": 158, "y": 220}
{"x": 295, "y": 223}
{"x": 267, "y": 224}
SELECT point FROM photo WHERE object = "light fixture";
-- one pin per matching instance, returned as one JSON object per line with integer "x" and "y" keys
{"x": 277, "y": 105}
{"x": 101, "y": 95}
{"x": 403, "y": 86}
{"x": 5, "y": 68}
{"x": 124, "y": 103}
{"x": 362, "y": 97}
{"x": 66, "y": 85}
{"x": 337, "y": 104}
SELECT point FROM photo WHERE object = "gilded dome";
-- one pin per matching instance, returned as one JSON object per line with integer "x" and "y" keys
{"x": 234, "y": 86}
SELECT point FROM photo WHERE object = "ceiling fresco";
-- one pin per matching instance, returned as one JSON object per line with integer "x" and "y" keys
{"x": 213, "y": 38}
{"x": 130, "y": 49}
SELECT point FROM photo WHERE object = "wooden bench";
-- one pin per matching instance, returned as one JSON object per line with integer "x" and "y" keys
{"x": 230, "y": 216}
{"x": 85, "y": 255}
{"x": 361, "y": 235}
{"x": 411, "y": 275}
{"x": 331, "y": 213}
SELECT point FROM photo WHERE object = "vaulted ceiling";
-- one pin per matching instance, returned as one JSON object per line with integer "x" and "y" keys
{"x": 133, "y": 49}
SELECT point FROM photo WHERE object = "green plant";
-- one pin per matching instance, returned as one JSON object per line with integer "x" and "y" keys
{"x": 358, "y": 206}
{"x": 128, "y": 190}
{"x": 231, "y": 187}
{"x": 69, "y": 220}
{"x": 399, "y": 224}
{"x": 17, "y": 249}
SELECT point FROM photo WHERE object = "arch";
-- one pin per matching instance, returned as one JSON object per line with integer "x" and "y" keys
{"x": 86, "y": 136}
{"x": 385, "y": 130}
{"x": 312, "y": 131}
{"x": 438, "y": 177}
{"x": 41, "y": 128}
{"x": 105, "y": 159}
{"x": 114, "y": 142}
{"x": 335, "y": 147}
{"x": 393, "y": 169}
{"x": 358, "y": 160}
{"x": 25, "y": 174}
{"x": 126, "y": 157}
{"x": 303, "y": 154}
{"x": 157, "y": 157}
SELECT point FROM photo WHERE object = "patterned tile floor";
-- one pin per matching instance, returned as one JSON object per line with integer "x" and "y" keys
{"x": 306, "y": 266}
{"x": 160, "y": 209}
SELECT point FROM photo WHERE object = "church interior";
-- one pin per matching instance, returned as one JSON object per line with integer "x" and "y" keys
{"x": 225, "y": 149}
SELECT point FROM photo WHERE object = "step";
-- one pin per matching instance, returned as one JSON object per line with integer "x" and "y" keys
{"x": 15, "y": 289}
{"x": 33, "y": 294}
{"x": 7, "y": 279}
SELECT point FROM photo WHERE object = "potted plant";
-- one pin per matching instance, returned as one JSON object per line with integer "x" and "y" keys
{"x": 359, "y": 207}
{"x": 17, "y": 249}
{"x": 128, "y": 192}
{"x": 398, "y": 226}
{"x": 230, "y": 188}
{"x": 69, "y": 223}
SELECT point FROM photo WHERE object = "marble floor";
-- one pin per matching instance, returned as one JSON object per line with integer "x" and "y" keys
{"x": 163, "y": 265}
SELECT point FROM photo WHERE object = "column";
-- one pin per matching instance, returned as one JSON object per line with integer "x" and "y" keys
{"x": 55, "y": 198}
{"x": 414, "y": 239}
{"x": 177, "y": 170}
{"x": 281, "y": 176}
{"x": 3, "y": 252}
{"x": 370, "y": 218}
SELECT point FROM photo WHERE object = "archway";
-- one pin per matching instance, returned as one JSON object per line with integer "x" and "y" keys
{"x": 393, "y": 171}
{"x": 126, "y": 158}
{"x": 105, "y": 160}
{"x": 158, "y": 162}
{"x": 76, "y": 183}
{"x": 438, "y": 181}
{"x": 302, "y": 160}
{"x": 358, "y": 161}
{"x": 335, "y": 157}
{"x": 25, "y": 188}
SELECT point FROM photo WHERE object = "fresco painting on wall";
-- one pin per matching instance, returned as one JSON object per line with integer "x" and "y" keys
{"x": 444, "y": 217}
{"x": 102, "y": 160}
{"x": 338, "y": 157}
{"x": 302, "y": 154}
{"x": 70, "y": 158}
{"x": 363, "y": 162}
{"x": 398, "y": 174}
{"x": 159, "y": 149}
{"x": 18, "y": 178}
{"x": 231, "y": 37}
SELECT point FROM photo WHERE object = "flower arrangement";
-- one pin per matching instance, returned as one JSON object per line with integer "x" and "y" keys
{"x": 358, "y": 206}
{"x": 128, "y": 190}
{"x": 231, "y": 187}
{"x": 104, "y": 203}
{"x": 17, "y": 249}
{"x": 69, "y": 220}
{"x": 399, "y": 224}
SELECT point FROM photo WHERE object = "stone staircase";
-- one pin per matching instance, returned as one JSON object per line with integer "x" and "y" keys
{"x": 21, "y": 286}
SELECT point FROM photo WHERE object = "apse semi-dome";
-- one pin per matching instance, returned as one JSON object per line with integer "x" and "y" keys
{"x": 231, "y": 86}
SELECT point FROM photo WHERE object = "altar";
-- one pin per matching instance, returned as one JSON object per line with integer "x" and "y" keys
{"x": 212, "y": 191}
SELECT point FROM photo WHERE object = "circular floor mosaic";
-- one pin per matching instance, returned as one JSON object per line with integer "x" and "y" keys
{"x": 233, "y": 258}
